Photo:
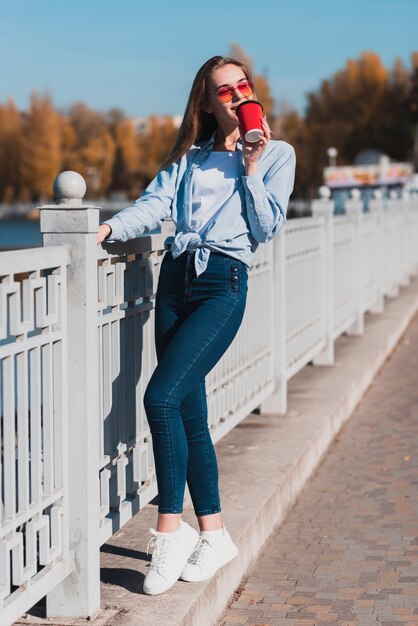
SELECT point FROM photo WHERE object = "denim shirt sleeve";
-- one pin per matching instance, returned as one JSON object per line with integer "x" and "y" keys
{"x": 267, "y": 196}
{"x": 148, "y": 211}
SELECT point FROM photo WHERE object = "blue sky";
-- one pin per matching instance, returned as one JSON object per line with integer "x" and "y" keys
{"x": 142, "y": 56}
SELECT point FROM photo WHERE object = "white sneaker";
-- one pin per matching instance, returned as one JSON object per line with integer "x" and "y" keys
{"x": 169, "y": 557}
{"x": 209, "y": 556}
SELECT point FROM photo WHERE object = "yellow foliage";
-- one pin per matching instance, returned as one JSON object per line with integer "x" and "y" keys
{"x": 263, "y": 94}
{"x": 41, "y": 147}
{"x": 127, "y": 142}
{"x": 155, "y": 145}
{"x": 262, "y": 86}
{"x": 11, "y": 135}
{"x": 93, "y": 153}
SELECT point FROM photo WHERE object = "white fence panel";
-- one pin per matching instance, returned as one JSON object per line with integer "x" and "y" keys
{"x": 344, "y": 274}
{"x": 127, "y": 281}
{"x": 34, "y": 547}
{"x": 305, "y": 244}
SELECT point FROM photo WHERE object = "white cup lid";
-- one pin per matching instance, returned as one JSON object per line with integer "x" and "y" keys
{"x": 253, "y": 135}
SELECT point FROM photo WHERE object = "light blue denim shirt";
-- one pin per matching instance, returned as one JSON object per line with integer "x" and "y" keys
{"x": 254, "y": 213}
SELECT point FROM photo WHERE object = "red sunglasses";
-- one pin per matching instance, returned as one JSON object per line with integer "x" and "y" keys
{"x": 225, "y": 94}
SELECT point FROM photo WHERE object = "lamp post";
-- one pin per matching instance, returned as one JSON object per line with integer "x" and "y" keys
{"x": 332, "y": 155}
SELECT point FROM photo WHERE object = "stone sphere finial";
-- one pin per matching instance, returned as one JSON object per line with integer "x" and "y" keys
{"x": 394, "y": 194}
{"x": 355, "y": 194}
{"x": 69, "y": 188}
{"x": 377, "y": 193}
{"x": 324, "y": 192}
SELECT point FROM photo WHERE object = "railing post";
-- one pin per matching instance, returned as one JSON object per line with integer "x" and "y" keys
{"x": 277, "y": 401}
{"x": 376, "y": 208}
{"x": 392, "y": 214}
{"x": 354, "y": 208}
{"x": 324, "y": 207}
{"x": 414, "y": 233}
{"x": 405, "y": 208}
{"x": 71, "y": 222}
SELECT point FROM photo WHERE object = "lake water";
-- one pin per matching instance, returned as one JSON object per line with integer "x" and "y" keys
{"x": 15, "y": 234}
{"x": 19, "y": 234}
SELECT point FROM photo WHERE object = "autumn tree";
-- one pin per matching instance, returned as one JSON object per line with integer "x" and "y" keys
{"x": 262, "y": 86}
{"x": 155, "y": 145}
{"x": 41, "y": 149}
{"x": 68, "y": 141}
{"x": 290, "y": 126}
{"x": 93, "y": 152}
{"x": 11, "y": 136}
{"x": 361, "y": 106}
{"x": 126, "y": 165}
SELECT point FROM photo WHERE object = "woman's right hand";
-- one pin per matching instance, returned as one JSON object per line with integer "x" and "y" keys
{"x": 103, "y": 233}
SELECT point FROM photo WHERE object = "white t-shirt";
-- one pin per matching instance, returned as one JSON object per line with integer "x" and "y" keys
{"x": 220, "y": 172}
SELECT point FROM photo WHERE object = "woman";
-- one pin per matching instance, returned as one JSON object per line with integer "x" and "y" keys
{"x": 226, "y": 196}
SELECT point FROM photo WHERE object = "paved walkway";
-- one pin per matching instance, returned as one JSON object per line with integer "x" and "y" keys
{"x": 347, "y": 553}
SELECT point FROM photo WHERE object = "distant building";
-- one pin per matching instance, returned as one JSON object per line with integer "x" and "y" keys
{"x": 142, "y": 124}
{"x": 370, "y": 157}
{"x": 372, "y": 169}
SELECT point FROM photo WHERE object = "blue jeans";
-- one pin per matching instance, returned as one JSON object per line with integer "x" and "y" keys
{"x": 196, "y": 319}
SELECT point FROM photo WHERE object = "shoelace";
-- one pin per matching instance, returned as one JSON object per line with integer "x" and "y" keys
{"x": 161, "y": 544}
{"x": 199, "y": 551}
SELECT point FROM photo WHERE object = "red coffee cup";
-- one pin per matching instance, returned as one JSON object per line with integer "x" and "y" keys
{"x": 250, "y": 114}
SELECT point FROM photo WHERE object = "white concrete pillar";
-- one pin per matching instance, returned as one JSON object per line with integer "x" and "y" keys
{"x": 392, "y": 211}
{"x": 354, "y": 209}
{"x": 324, "y": 207}
{"x": 376, "y": 208}
{"x": 277, "y": 401}
{"x": 71, "y": 222}
{"x": 406, "y": 238}
{"x": 414, "y": 213}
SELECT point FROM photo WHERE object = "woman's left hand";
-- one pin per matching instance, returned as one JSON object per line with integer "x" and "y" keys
{"x": 253, "y": 151}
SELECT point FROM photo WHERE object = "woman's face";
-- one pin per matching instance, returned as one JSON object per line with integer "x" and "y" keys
{"x": 224, "y": 77}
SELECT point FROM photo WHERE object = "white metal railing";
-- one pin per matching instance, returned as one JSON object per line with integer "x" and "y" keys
{"x": 77, "y": 352}
{"x": 34, "y": 538}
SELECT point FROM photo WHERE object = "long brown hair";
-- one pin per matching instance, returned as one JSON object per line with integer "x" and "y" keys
{"x": 197, "y": 124}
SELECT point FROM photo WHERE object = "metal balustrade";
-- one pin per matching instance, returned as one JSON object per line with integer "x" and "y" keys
{"x": 34, "y": 538}
{"x": 77, "y": 352}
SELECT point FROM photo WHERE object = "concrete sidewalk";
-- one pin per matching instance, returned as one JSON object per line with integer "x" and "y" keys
{"x": 347, "y": 553}
{"x": 264, "y": 464}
